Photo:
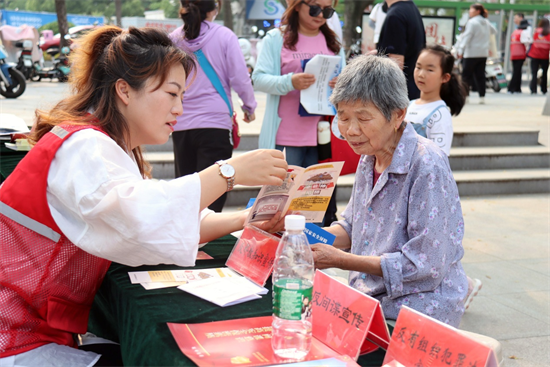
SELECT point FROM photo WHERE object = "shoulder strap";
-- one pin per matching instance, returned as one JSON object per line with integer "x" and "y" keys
{"x": 214, "y": 79}
{"x": 425, "y": 121}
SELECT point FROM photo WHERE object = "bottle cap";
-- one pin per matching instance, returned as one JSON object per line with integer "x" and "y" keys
{"x": 295, "y": 222}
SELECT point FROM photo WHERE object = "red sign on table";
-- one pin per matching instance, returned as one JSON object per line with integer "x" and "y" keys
{"x": 254, "y": 254}
{"x": 421, "y": 341}
{"x": 348, "y": 321}
{"x": 239, "y": 342}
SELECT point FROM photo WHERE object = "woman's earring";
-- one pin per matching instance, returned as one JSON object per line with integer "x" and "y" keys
{"x": 395, "y": 128}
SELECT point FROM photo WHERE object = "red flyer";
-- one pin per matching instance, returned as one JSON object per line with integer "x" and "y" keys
{"x": 419, "y": 340}
{"x": 254, "y": 254}
{"x": 348, "y": 321}
{"x": 241, "y": 341}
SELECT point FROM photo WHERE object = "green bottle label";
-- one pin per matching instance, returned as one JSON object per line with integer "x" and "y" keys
{"x": 292, "y": 299}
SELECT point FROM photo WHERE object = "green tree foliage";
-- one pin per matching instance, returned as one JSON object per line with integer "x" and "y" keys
{"x": 53, "y": 26}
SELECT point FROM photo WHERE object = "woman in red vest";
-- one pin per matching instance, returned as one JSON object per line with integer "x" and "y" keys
{"x": 81, "y": 198}
{"x": 539, "y": 55}
{"x": 518, "y": 53}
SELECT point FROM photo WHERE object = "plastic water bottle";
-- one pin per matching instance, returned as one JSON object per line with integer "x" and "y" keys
{"x": 293, "y": 272}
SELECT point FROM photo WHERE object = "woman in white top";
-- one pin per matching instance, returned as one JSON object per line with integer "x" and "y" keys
{"x": 473, "y": 46}
{"x": 95, "y": 203}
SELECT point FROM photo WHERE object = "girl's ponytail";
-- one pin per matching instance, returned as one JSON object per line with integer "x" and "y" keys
{"x": 453, "y": 93}
{"x": 193, "y": 13}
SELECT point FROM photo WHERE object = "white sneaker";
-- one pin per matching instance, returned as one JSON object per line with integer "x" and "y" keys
{"x": 481, "y": 100}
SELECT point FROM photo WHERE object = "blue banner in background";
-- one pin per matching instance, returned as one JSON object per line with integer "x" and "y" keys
{"x": 37, "y": 20}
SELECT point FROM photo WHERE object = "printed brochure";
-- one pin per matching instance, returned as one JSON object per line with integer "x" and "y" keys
{"x": 305, "y": 191}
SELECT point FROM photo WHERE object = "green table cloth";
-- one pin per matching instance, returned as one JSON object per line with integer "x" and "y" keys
{"x": 136, "y": 318}
{"x": 8, "y": 160}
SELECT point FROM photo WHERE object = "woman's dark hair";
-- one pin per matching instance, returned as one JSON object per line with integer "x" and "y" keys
{"x": 544, "y": 23}
{"x": 289, "y": 28}
{"x": 102, "y": 57}
{"x": 453, "y": 92}
{"x": 193, "y": 13}
{"x": 481, "y": 9}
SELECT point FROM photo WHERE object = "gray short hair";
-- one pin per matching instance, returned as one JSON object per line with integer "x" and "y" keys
{"x": 375, "y": 79}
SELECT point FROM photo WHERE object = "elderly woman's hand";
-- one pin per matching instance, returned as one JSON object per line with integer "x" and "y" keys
{"x": 326, "y": 256}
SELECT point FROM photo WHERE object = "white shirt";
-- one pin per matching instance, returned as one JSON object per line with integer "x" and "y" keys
{"x": 440, "y": 126}
{"x": 474, "y": 41}
{"x": 378, "y": 16}
{"x": 102, "y": 204}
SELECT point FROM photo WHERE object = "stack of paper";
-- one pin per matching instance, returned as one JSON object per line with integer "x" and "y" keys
{"x": 221, "y": 286}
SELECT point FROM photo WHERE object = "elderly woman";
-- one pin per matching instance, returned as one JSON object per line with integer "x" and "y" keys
{"x": 403, "y": 226}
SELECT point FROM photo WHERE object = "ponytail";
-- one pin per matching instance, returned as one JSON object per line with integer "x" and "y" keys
{"x": 481, "y": 9}
{"x": 104, "y": 56}
{"x": 193, "y": 13}
{"x": 453, "y": 92}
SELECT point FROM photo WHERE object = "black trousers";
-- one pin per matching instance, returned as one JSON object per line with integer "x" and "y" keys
{"x": 473, "y": 73}
{"x": 197, "y": 149}
{"x": 110, "y": 354}
{"x": 515, "y": 82}
{"x": 536, "y": 64}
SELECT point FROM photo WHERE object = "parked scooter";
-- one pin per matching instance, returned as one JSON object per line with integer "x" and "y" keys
{"x": 60, "y": 69}
{"x": 25, "y": 63}
{"x": 494, "y": 75}
{"x": 12, "y": 82}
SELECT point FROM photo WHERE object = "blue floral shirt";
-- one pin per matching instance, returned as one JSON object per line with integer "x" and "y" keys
{"x": 411, "y": 218}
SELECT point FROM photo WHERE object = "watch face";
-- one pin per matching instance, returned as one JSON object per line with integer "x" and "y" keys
{"x": 227, "y": 170}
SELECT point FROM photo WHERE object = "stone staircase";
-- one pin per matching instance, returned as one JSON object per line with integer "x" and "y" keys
{"x": 506, "y": 162}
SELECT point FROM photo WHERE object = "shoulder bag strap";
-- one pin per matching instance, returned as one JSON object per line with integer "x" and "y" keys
{"x": 214, "y": 79}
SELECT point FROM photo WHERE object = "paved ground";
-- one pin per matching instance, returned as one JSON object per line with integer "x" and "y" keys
{"x": 507, "y": 239}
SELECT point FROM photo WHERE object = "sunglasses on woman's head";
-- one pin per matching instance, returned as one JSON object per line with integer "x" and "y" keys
{"x": 315, "y": 10}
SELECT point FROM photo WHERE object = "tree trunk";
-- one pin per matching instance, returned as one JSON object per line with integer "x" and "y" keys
{"x": 118, "y": 12}
{"x": 61, "y": 10}
{"x": 353, "y": 17}
{"x": 227, "y": 14}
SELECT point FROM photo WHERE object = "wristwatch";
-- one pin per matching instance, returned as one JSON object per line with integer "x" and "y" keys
{"x": 228, "y": 172}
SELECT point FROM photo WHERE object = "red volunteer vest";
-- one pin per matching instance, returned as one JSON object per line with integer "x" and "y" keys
{"x": 540, "y": 49}
{"x": 47, "y": 284}
{"x": 517, "y": 49}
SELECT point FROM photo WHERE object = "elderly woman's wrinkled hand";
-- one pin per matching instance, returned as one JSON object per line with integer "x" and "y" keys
{"x": 326, "y": 256}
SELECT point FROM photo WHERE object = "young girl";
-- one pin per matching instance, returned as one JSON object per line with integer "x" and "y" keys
{"x": 79, "y": 199}
{"x": 442, "y": 95}
{"x": 440, "y": 91}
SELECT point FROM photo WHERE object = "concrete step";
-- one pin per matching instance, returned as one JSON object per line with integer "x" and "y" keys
{"x": 470, "y": 183}
{"x": 508, "y": 157}
{"x": 472, "y": 137}
{"x": 507, "y": 136}
{"x": 461, "y": 159}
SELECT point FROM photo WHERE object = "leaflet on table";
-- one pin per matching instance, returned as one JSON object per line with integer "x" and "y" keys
{"x": 305, "y": 191}
{"x": 316, "y": 234}
{"x": 225, "y": 291}
{"x": 174, "y": 278}
{"x": 419, "y": 340}
{"x": 238, "y": 342}
{"x": 11, "y": 124}
{"x": 315, "y": 99}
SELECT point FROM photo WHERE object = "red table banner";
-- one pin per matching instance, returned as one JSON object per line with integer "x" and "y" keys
{"x": 421, "y": 341}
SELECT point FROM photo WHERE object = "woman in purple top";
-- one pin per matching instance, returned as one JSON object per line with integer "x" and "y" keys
{"x": 403, "y": 226}
{"x": 203, "y": 132}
